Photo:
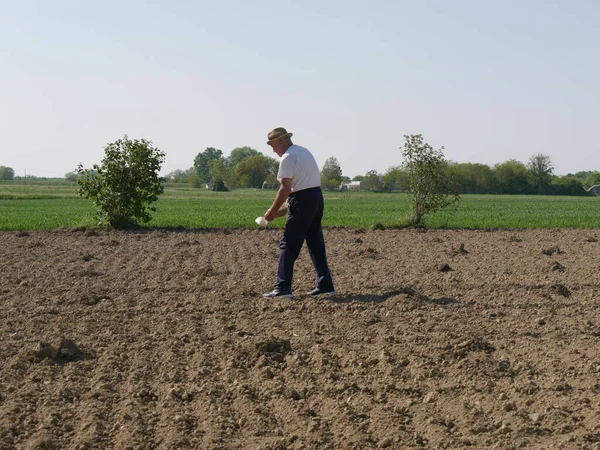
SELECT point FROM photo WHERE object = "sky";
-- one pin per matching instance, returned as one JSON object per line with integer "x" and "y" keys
{"x": 487, "y": 80}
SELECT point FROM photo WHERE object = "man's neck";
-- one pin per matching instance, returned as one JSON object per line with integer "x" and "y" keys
{"x": 286, "y": 146}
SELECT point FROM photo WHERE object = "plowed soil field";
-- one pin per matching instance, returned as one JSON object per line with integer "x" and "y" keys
{"x": 436, "y": 339}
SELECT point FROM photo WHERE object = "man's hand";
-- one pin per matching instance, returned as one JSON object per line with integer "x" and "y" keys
{"x": 270, "y": 215}
{"x": 282, "y": 211}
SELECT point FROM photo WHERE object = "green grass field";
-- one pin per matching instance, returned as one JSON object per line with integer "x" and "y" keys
{"x": 51, "y": 206}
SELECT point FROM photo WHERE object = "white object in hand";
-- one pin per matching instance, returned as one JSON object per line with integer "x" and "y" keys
{"x": 261, "y": 222}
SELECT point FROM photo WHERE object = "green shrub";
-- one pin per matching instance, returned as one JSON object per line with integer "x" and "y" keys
{"x": 125, "y": 184}
{"x": 430, "y": 187}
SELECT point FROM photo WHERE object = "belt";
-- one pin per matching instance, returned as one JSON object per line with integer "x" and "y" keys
{"x": 305, "y": 191}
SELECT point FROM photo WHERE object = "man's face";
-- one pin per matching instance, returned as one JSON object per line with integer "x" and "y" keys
{"x": 277, "y": 147}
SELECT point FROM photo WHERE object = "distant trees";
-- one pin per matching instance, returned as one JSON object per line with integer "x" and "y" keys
{"x": 202, "y": 163}
{"x": 271, "y": 180}
{"x": 244, "y": 167}
{"x": 7, "y": 173}
{"x": 372, "y": 181}
{"x": 395, "y": 178}
{"x": 253, "y": 171}
{"x": 71, "y": 176}
{"x": 180, "y": 176}
{"x": 508, "y": 177}
{"x": 512, "y": 177}
{"x": 472, "y": 178}
{"x": 223, "y": 176}
{"x": 592, "y": 179}
{"x": 241, "y": 168}
{"x": 331, "y": 174}
{"x": 238, "y": 154}
{"x": 567, "y": 185}
{"x": 540, "y": 172}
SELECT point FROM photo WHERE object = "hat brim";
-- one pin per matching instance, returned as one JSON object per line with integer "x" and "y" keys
{"x": 279, "y": 138}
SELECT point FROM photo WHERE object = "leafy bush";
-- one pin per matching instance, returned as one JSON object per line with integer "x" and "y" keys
{"x": 194, "y": 181}
{"x": 430, "y": 187}
{"x": 125, "y": 184}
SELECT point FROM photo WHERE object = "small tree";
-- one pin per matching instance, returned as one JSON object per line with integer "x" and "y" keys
{"x": 541, "y": 172}
{"x": 7, "y": 173}
{"x": 429, "y": 185}
{"x": 125, "y": 184}
{"x": 202, "y": 163}
{"x": 331, "y": 169}
{"x": 331, "y": 174}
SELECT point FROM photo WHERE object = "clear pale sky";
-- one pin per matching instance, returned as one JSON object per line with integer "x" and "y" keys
{"x": 488, "y": 80}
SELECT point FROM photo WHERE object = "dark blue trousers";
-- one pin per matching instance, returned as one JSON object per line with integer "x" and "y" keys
{"x": 303, "y": 222}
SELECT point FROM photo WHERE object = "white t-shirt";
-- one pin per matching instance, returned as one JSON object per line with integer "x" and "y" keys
{"x": 299, "y": 164}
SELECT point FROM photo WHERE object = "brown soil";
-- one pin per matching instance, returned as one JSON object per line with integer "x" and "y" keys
{"x": 437, "y": 339}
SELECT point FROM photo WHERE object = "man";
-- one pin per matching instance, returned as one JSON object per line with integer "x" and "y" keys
{"x": 301, "y": 187}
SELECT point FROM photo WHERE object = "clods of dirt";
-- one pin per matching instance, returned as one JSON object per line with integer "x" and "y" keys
{"x": 64, "y": 350}
{"x": 161, "y": 339}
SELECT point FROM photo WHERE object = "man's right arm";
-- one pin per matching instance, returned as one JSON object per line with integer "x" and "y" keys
{"x": 285, "y": 189}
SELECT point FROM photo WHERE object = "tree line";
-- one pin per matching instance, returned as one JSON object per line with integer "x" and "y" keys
{"x": 509, "y": 177}
{"x": 246, "y": 167}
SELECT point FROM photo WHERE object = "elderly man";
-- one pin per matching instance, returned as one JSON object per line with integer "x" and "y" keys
{"x": 301, "y": 187}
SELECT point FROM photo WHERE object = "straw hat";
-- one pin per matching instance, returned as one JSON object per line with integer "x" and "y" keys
{"x": 278, "y": 134}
